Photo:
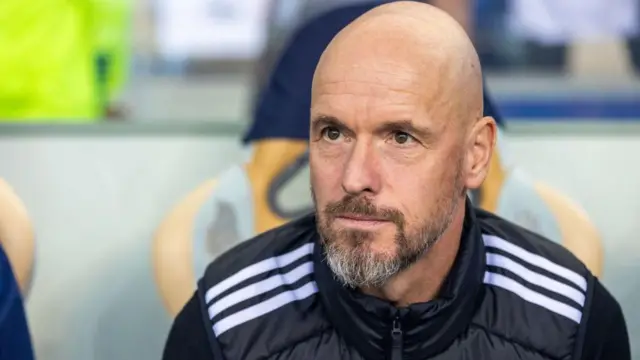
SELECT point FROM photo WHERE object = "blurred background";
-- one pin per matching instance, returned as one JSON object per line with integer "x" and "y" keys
{"x": 111, "y": 111}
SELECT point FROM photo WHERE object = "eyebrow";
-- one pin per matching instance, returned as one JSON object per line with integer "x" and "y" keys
{"x": 408, "y": 127}
{"x": 321, "y": 121}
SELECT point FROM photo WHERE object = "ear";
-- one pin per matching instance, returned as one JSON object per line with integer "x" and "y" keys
{"x": 481, "y": 142}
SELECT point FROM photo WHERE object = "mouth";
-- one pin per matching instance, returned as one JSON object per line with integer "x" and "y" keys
{"x": 360, "y": 221}
{"x": 358, "y": 217}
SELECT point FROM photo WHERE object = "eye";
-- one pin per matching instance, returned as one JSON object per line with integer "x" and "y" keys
{"x": 331, "y": 133}
{"x": 402, "y": 138}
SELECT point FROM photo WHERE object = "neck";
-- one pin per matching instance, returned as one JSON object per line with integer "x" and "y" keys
{"x": 421, "y": 282}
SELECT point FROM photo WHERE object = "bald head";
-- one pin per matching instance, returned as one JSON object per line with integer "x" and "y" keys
{"x": 421, "y": 45}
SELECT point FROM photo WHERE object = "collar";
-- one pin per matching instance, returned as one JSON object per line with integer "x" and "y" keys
{"x": 366, "y": 322}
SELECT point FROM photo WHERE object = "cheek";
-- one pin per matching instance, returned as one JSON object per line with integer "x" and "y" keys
{"x": 415, "y": 196}
{"x": 325, "y": 177}
{"x": 402, "y": 158}
{"x": 416, "y": 188}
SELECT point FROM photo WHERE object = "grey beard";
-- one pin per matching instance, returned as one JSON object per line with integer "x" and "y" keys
{"x": 357, "y": 267}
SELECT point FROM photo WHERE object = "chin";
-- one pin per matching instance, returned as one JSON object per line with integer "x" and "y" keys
{"x": 376, "y": 247}
{"x": 383, "y": 250}
{"x": 380, "y": 238}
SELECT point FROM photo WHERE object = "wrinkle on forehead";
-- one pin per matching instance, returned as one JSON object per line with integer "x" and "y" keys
{"x": 371, "y": 80}
{"x": 408, "y": 47}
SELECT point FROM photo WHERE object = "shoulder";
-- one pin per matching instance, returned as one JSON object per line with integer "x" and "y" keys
{"x": 604, "y": 334}
{"x": 275, "y": 248}
{"x": 260, "y": 296}
{"x": 500, "y": 235}
{"x": 530, "y": 277}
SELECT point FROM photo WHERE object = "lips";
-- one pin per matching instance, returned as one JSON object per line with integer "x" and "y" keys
{"x": 356, "y": 217}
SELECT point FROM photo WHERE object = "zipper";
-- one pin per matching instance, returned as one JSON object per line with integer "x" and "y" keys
{"x": 396, "y": 340}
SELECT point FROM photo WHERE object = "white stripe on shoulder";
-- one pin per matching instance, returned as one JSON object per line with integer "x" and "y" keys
{"x": 536, "y": 278}
{"x": 260, "y": 287}
{"x": 258, "y": 268}
{"x": 534, "y": 259}
{"x": 264, "y": 307}
{"x": 531, "y": 296}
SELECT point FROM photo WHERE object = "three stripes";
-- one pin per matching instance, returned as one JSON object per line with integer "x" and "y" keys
{"x": 549, "y": 285}
{"x": 260, "y": 287}
{"x": 555, "y": 287}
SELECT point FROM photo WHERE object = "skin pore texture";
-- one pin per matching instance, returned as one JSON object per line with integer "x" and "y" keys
{"x": 397, "y": 137}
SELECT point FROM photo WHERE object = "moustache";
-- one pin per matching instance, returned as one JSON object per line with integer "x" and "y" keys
{"x": 358, "y": 205}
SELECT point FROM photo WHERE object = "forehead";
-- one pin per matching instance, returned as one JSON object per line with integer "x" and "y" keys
{"x": 375, "y": 89}
{"x": 374, "y": 75}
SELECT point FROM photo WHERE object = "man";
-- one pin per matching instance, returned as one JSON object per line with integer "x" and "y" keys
{"x": 242, "y": 201}
{"x": 271, "y": 188}
{"x": 395, "y": 263}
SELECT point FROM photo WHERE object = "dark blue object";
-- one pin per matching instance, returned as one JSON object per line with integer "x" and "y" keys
{"x": 15, "y": 340}
{"x": 282, "y": 109}
{"x": 490, "y": 109}
{"x": 618, "y": 107}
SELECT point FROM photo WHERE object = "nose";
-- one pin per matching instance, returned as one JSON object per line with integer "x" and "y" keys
{"x": 360, "y": 173}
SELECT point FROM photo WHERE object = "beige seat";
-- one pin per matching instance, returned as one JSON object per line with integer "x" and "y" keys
{"x": 186, "y": 227}
{"x": 511, "y": 193}
{"x": 16, "y": 235}
{"x": 578, "y": 233}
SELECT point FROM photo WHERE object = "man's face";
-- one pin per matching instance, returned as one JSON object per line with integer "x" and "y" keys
{"x": 386, "y": 161}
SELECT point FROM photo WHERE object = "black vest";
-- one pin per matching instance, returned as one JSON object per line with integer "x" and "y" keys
{"x": 510, "y": 295}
